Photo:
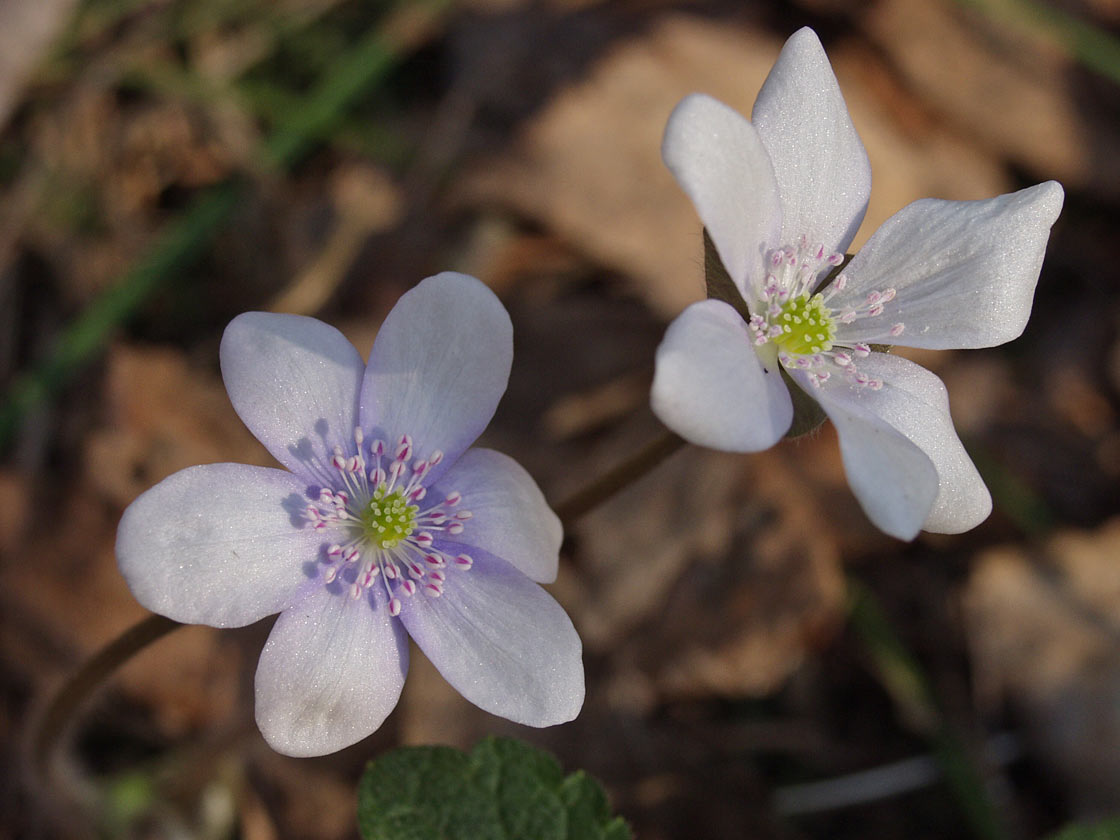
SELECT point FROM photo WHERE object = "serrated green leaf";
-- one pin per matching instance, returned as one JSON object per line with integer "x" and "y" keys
{"x": 503, "y": 790}
{"x": 1107, "y": 830}
{"x": 525, "y": 784}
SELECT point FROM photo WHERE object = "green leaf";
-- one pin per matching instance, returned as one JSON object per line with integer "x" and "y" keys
{"x": 503, "y": 790}
{"x": 1107, "y": 830}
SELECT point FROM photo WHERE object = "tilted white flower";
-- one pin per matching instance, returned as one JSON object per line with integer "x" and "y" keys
{"x": 782, "y": 196}
{"x": 383, "y": 524}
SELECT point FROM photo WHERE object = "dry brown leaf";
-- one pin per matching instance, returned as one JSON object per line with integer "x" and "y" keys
{"x": 590, "y": 169}
{"x": 1045, "y": 636}
{"x": 26, "y": 30}
{"x": 714, "y": 575}
{"x": 1002, "y": 87}
{"x": 163, "y": 416}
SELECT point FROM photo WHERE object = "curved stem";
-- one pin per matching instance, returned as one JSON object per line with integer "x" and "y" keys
{"x": 602, "y": 488}
{"x": 82, "y": 684}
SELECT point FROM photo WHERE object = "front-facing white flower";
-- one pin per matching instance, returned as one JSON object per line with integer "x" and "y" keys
{"x": 782, "y": 197}
{"x": 383, "y": 525}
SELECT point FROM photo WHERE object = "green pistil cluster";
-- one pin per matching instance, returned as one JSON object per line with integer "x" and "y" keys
{"x": 388, "y": 518}
{"x": 807, "y": 326}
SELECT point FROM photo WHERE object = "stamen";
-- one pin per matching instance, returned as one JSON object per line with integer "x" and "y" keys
{"x": 375, "y": 509}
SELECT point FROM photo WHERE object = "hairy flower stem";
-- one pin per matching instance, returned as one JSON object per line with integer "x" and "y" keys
{"x": 596, "y": 492}
{"x": 83, "y": 683}
{"x": 102, "y": 664}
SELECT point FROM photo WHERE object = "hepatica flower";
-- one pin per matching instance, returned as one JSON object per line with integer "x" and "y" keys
{"x": 384, "y": 524}
{"x": 781, "y": 197}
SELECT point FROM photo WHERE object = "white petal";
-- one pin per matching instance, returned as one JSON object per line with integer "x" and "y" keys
{"x": 965, "y": 271}
{"x": 710, "y": 387}
{"x": 718, "y": 159}
{"x": 502, "y": 642}
{"x": 330, "y": 673}
{"x": 903, "y": 457}
{"x": 439, "y": 366}
{"x": 823, "y": 174}
{"x": 294, "y": 382}
{"x": 220, "y": 544}
{"x": 510, "y": 517}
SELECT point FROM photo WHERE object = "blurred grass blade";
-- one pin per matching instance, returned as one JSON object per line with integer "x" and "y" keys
{"x": 1093, "y": 47}
{"x": 349, "y": 76}
{"x": 353, "y": 73}
{"x": 908, "y": 686}
{"x": 1011, "y": 494}
{"x": 178, "y": 246}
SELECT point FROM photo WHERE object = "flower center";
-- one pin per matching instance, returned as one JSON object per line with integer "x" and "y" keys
{"x": 802, "y": 326}
{"x": 389, "y": 533}
{"x": 806, "y": 325}
{"x": 388, "y": 518}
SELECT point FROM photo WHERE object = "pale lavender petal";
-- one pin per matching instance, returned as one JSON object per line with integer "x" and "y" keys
{"x": 964, "y": 271}
{"x": 330, "y": 673}
{"x": 502, "y": 642}
{"x": 824, "y": 177}
{"x": 439, "y": 366}
{"x": 711, "y": 388}
{"x": 294, "y": 382}
{"x": 912, "y": 403}
{"x": 509, "y": 516}
{"x": 219, "y": 544}
{"x": 893, "y": 479}
{"x": 719, "y": 160}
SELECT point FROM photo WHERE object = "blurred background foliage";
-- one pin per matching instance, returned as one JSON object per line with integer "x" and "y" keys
{"x": 761, "y": 662}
